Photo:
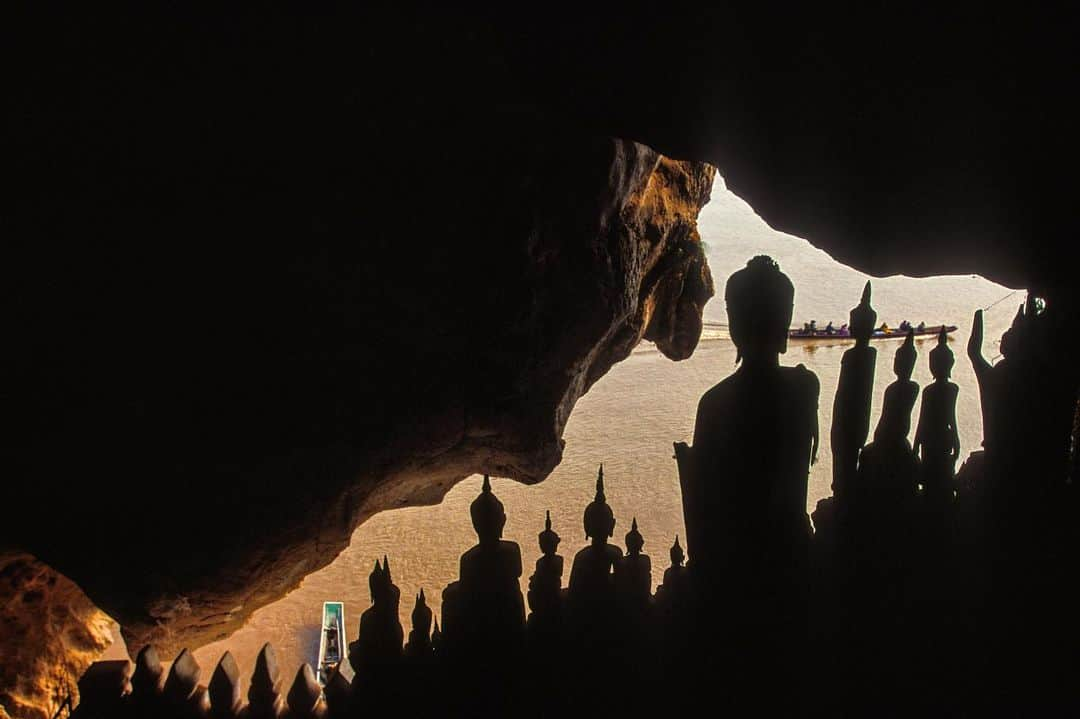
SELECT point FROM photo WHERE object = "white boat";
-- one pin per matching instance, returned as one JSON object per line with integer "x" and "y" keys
{"x": 331, "y": 639}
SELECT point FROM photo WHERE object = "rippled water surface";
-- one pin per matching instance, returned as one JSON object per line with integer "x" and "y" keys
{"x": 628, "y": 421}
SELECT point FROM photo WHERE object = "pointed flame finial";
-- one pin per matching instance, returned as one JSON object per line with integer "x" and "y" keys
{"x": 677, "y": 554}
{"x": 634, "y": 540}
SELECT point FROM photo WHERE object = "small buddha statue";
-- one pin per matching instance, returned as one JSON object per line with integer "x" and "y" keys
{"x": 936, "y": 435}
{"x": 494, "y": 560}
{"x": 338, "y": 694}
{"x": 224, "y": 689}
{"x": 545, "y": 584}
{"x": 305, "y": 696}
{"x": 1027, "y": 419}
{"x": 436, "y": 639}
{"x": 381, "y": 635}
{"x": 484, "y": 608}
{"x": 264, "y": 694}
{"x": 994, "y": 380}
{"x": 675, "y": 575}
{"x": 633, "y": 573}
{"x": 854, "y": 389}
{"x": 182, "y": 691}
{"x": 888, "y": 467}
{"x": 419, "y": 645}
{"x": 591, "y": 575}
{"x": 147, "y": 681}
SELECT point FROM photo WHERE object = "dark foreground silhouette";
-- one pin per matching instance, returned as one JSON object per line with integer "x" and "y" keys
{"x": 919, "y": 588}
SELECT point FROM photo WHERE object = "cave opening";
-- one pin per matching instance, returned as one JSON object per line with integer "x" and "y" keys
{"x": 627, "y": 421}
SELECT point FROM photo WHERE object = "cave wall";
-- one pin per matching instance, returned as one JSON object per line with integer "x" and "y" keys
{"x": 51, "y": 633}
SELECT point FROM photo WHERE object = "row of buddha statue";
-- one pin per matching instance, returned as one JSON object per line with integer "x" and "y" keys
{"x": 874, "y": 604}
{"x": 484, "y": 611}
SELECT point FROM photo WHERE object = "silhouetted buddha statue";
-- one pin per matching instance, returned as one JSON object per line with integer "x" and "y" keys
{"x": 748, "y": 533}
{"x": 992, "y": 378}
{"x": 420, "y": 669}
{"x": 146, "y": 683}
{"x": 182, "y": 693}
{"x": 675, "y": 576}
{"x": 1026, "y": 413}
{"x": 305, "y": 696}
{"x": 679, "y": 643}
{"x": 854, "y": 389}
{"x": 936, "y": 435}
{"x": 545, "y": 585}
{"x": 224, "y": 689}
{"x": 436, "y": 639}
{"x": 264, "y": 694}
{"x": 633, "y": 574}
{"x": 484, "y": 609}
{"x": 338, "y": 694}
{"x": 755, "y": 437}
{"x": 1029, "y": 436}
{"x": 888, "y": 467}
{"x": 419, "y": 645}
{"x": 380, "y": 639}
{"x": 591, "y": 579}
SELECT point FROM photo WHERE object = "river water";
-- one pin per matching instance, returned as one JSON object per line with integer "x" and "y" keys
{"x": 628, "y": 421}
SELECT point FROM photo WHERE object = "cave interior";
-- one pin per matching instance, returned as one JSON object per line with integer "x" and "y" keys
{"x": 273, "y": 270}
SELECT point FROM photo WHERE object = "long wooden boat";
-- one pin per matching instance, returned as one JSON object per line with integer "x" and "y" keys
{"x": 332, "y": 639}
{"x": 892, "y": 333}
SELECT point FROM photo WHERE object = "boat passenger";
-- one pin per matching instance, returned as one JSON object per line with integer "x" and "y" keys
{"x": 813, "y": 326}
{"x": 884, "y": 329}
{"x": 829, "y": 329}
{"x": 844, "y": 331}
{"x": 921, "y": 327}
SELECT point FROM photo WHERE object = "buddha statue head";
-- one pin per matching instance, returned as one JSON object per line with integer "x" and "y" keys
{"x": 488, "y": 515}
{"x": 760, "y": 299}
{"x": 906, "y": 355}
{"x": 677, "y": 556}
{"x": 549, "y": 540}
{"x": 421, "y": 615}
{"x": 941, "y": 357}
{"x": 383, "y": 591}
{"x": 634, "y": 540}
{"x": 863, "y": 319}
{"x": 375, "y": 581}
{"x": 599, "y": 519}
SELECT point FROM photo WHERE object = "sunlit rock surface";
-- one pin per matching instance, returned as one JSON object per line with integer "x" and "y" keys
{"x": 51, "y": 633}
